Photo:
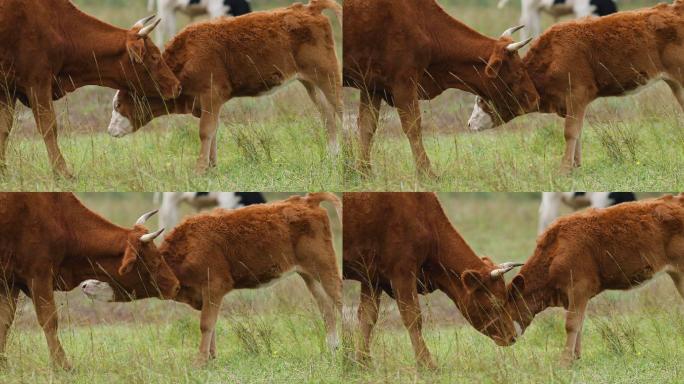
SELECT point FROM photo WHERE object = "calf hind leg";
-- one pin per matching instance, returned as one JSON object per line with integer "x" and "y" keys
{"x": 8, "y": 306}
{"x": 327, "y": 306}
{"x": 6, "y": 121}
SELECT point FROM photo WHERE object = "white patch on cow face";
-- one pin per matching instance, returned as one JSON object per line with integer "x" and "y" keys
{"x": 119, "y": 125}
{"x": 97, "y": 290}
{"x": 479, "y": 119}
{"x": 518, "y": 329}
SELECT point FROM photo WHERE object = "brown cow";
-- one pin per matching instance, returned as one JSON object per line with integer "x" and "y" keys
{"x": 51, "y": 242}
{"x": 577, "y": 62}
{"x": 404, "y": 51}
{"x": 588, "y": 252}
{"x": 250, "y": 55}
{"x": 403, "y": 244}
{"x": 216, "y": 252}
{"x": 50, "y": 48}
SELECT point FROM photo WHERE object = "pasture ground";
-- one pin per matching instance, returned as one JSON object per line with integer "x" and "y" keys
{"x": 275, "y": 335}
{"x": 635, "y": 142}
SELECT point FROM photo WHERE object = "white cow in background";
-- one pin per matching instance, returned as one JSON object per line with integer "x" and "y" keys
{"x": 171, "y": 201}
{"x": 532, "y": 10}
{"x": 551, "y": 202}
{"x": 214, "y": 8}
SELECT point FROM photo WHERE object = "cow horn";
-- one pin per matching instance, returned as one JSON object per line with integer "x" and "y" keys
{"x": 142, "y": 22}
{"x": 510, "y": 31}
{"x": 145, "y": 217}
{"x": 147, "y": 29}
{"x": 503, "y": 268}
{"x": 146, "y": 238}
{"x": 514, "y": 47}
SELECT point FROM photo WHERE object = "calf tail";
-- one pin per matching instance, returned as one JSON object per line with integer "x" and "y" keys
{"x": 319, "y": 5}
{"x": 314, "y": 200}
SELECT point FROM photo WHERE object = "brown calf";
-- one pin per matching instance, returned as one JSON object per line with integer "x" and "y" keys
{"x": 50, "y": 48}
{"x": 51, "y": 242}
{"x": 403, "y": 244}
{"x": 217, "y": 252}
{"x": 577, "y": 62}
{"x": 405, "y": 51}
{"x": 586, "y": 253}
{"x": 250, "y": 55}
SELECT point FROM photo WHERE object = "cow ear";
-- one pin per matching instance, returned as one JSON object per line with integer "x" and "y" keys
{"x": 517, "y": 286}
{"x": 136, "y": 49}
{"x": 128, "y": 262}
{"x": 494, "y": 64}
{"x": 472, "y": 280}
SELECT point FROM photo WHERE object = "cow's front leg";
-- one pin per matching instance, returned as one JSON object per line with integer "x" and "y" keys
{"x": 573, "y": 133}
{"x": 212, "y": 296}
{"x": 406, "y": 295}
{"x": 46, "y": 121}
{"x": 46, "y": 311}
{"x": 368, "y": 316}
{"x": 208, "y": 126}
{"x": 406, "y": 101}
{"x": 213, "y": 156}
{"x": 573, "y": 328}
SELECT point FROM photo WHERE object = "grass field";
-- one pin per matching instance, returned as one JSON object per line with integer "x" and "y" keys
{"x": 636, "y": 142}
{"x": 275, "y": 335}
{"x": 273, "y": 143}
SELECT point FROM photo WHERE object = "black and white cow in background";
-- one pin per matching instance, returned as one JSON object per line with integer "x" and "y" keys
{"x": 171, "y": 201}
{"x": 551, "y": 202}
{"x": 214, "y": 8}
{"x": 532, "y": 10}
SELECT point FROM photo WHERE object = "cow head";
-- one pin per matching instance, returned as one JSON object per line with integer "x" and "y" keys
{"x": 508, "y": 89}
{"x": 142, "y": 273}
{"x": 130, "y": 113}
{"x": 521, "y": 309}
{"x": 145, "y": 69}
{"x": 484, "y": 303}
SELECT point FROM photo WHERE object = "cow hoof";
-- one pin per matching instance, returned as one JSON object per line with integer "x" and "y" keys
{"x": 428, "y": 364}
{"x": 200, "y": 362}
{"x": 566, "y": 361}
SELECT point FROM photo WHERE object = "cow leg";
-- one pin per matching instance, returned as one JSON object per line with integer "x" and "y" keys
{"x": 369, "y": 113}
{"x": 406, "y": 295}
{"x": 368, "y": 316}
{"x": 44, "y": 114}
{"x": 8, "y": 307}
{"x": 573, "y": 132}
{"x": 327, "y": 114}
{"x": 208, "y": 126}
{"x": 6, "y": 121}
{"x": 677, "y": 90}
{"x": 678, "y": 281}
{"x": 573, "y": 328}
{"x": 213, "y": 155}
{"x": 406, "y": 101}
{"x": 212, "y": 296}
{"x": 326, "y": 305}
{"x": 46, "y": 311}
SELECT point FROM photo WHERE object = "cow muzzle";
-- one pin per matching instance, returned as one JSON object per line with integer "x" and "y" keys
{"x": 98, "y": 290}
{"x": 119, "y": 125}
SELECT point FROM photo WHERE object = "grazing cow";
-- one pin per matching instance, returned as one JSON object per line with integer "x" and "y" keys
{"x": 214, "y": 8}
{"x": 245, "y": 56}
{"x": 588, "y": 252}
{"x": 576, "y": 62}
{"x": 411, "y": 50}
{"x": 532, "y": 10}
{"x": 171, "y": 201}
{"x": 52, "y": 242}
{"x": 403, "y": 244}
{"x": 216, "y": 252}
{"x": 551, "y": 202}
{"x": 50, "y": 48}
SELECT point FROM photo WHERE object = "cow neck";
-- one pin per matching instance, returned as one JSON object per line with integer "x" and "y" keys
{"x": 94, "y": 52}
{"x": 95, "y": 244}
{"x": 459, "y": 55}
